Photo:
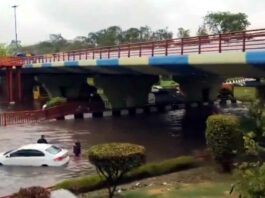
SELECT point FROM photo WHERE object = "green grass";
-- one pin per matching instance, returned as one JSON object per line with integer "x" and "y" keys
{"x": 201, "y": 190}
{"x": 245, "y": 94}
{"x": 89, "y": 183}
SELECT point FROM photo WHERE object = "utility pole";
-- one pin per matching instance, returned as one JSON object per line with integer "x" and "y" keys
{"x": 15, "y": 15}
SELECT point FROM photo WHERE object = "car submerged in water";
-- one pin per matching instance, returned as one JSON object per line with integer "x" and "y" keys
{"x": 35, "y": 155}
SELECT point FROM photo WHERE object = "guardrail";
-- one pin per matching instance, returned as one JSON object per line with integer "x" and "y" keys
{"x": 235, "y": 41}
{"x": 9, "y": 61}
{"x": 22, "y": 117}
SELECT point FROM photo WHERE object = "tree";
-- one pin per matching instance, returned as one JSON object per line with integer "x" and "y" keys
{"x": 182, "y": 33}
{"x": 162, "y": 34}
{"x": 58, "y": 42}
{"x": 202, "y": 31}
{"x": 3, "y": 50}
{"x": 113, "y": 160}
{"x": 223, "y": 22}
{"x": 131, "y": 35}
{"x": 145, "y": 33}
{"x": 14, "y": 47}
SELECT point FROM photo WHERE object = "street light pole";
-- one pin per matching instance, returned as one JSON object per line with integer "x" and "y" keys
{"x": 15, "y": 15}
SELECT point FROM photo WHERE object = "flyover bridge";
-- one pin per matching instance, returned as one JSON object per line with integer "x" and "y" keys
{"x": 199, "y": 64}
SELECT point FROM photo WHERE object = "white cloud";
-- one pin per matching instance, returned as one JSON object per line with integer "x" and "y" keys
{"x": 39, "y": 18}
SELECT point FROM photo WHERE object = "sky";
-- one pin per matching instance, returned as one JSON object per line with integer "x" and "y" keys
{"x": 36, "y": 19}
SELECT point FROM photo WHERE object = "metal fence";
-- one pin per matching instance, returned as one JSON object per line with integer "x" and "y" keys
{"x": 235, "y": 41}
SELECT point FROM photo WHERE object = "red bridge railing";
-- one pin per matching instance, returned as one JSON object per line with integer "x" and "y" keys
{"x": 235, "y": 41}
{"x": 22, "y": 117}
{"x": 8, "y": 61}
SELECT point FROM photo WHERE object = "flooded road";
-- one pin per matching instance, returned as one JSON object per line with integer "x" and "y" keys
{"x": 159, "y": 133}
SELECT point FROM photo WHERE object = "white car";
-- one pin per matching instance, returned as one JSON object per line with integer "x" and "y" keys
{"x": 35, "y": 155}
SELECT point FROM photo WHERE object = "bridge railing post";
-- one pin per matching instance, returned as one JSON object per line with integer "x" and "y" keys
{"x": 80, "y": 55}
{"x": 199, "y": 46}
{"x": 182, "y": 46}
{"x": 119, "y": 52}
{"x": 153, "y": 48}
{"x": 129, "y": 50}
{"x": 244, "y": 42}
{"x": 140, "y": 50}
{"x": 93, "y": 54}
{"x": 100, "y": 53}
{"x": 86, "y": 54}
{"x": 63, "y": 56}
{"x": 108, "y": 52}
{"x": 166, "y": 48}
{"x": 73, "y": 55}
{"x": 220, "y": 43}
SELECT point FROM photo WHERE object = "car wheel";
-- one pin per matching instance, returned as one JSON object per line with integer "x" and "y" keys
{"x": 1, "y": 164}
{"x": 44, "y": 165}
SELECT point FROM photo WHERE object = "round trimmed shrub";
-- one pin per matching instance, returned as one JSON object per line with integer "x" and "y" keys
{"x": 32, "y": 192}
{"x": 113, "y": 160}
{"x": 224, "y": 138}
{"x": 55, "y": 102}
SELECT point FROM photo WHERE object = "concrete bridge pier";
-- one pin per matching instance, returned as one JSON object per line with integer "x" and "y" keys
{"x": 11, "y": 85}
{"x": 200, "y": 94}
{"x": 124, "y": 91}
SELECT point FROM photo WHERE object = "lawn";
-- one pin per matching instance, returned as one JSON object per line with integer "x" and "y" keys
{"x": 203, "y": 182}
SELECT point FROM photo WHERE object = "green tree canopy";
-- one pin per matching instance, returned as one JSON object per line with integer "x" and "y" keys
{"x": 3, "y": 50}
{"x": 223, "y": 22}
{"x": 183, "y": 33}
{"x": 202, "y": 31}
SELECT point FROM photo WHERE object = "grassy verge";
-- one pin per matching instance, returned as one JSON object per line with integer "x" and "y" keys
{"x": 203, "y": 190}
{"x": 201, "y": 182}
{"x": 245, "y": 94}
{"x": 89, "y": 183}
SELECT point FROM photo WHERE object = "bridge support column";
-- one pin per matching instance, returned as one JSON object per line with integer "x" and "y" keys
{"x": 10, "y": 86}
{"x": 124, "y": 91}
{"x": 19, "y": 84}
{"x": 200, "y": 94}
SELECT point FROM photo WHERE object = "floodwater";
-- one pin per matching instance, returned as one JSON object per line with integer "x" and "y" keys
{"x": 159, "y": 133}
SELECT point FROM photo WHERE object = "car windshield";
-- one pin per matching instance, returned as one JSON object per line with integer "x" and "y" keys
{"x": 8, "y": 152}
{"x": 53, "y": 150}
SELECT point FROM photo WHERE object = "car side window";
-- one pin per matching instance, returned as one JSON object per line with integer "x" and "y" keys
{"x": 27, "y": 153}
{"x": 19, "y": 153}
{"x": 35, "y": 153}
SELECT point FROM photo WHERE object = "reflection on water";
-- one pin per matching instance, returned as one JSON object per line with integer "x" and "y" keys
{"x": 159, "y": 133}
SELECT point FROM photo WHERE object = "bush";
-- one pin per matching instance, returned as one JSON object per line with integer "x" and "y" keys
{"x": 32, "y": 192}
{"x": 113, "y": 160}
{"x": 224, "y": 138}
{"x": 89, "y": 183}
{"x": 250, "y": 180}
{"x": 55, "y": 102}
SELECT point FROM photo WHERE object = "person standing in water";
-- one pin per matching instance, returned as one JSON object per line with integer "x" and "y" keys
{"x": 42, "y": 140}
{"x": 77, "y": 149}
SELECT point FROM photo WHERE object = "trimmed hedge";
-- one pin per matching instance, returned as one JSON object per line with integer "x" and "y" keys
{"x": 89, "y": 183}
{"x": 224, "y": 137}
{"x": 55, "y": 102}
{"x": 114, "y": 160}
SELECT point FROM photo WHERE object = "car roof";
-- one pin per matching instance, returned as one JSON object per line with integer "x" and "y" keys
{"x": 36, "y": 146}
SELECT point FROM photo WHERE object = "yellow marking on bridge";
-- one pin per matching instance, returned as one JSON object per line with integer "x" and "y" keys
{"x": 58, "y": 64}
{"x": 214, "y": 58}
{"x": 37, "y": 65}
{"x": 89, "y": 62}
{"x": 136, "y": 61}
